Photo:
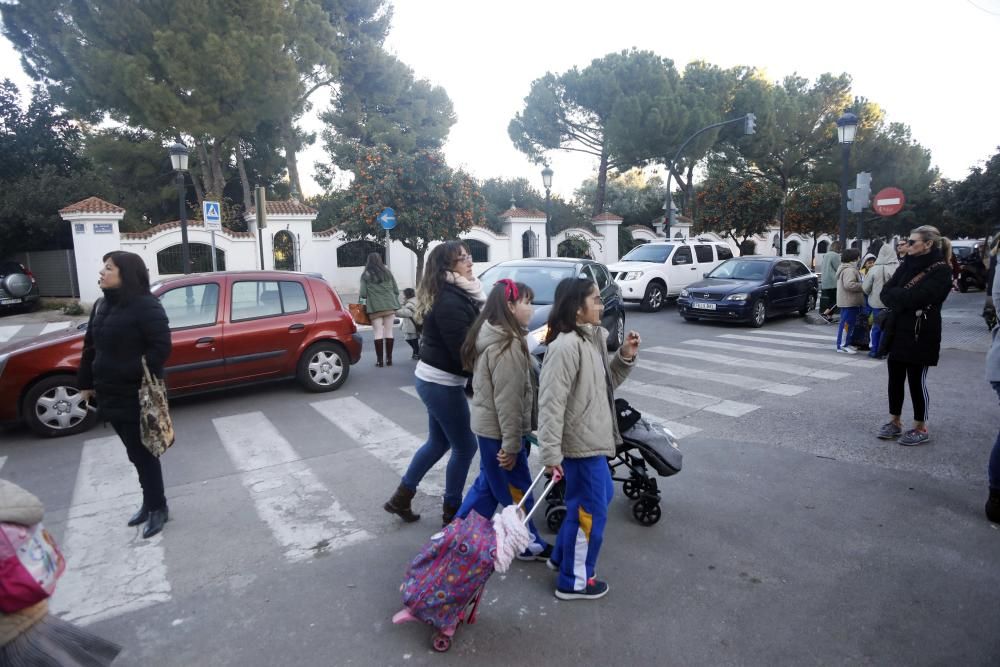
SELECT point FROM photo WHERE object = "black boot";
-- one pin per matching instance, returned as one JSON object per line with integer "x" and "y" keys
{"x": 388, "y": 351}
{"x": 399, "y": 504}
{"x": 993, "y": 506}
{"x": 155, "y": 524}
{"x": 139, "y": 517}
{"x": 378, "y": 353}
{"x": 448, "y": 513}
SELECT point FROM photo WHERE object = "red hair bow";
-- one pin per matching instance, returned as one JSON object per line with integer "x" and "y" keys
{"x": 510, "y": 288}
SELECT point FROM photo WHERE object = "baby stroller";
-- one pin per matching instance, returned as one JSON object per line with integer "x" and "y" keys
{"x": 644, "y": 443}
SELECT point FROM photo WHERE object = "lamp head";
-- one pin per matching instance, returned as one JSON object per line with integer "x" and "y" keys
{"x": 179, "y": 156}
{"x": 547, "y": 177}
{"x": 847, "y": 127}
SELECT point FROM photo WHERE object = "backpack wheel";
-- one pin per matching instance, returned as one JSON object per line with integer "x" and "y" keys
{"x": 441, "y": 643}
{"x": 646, "y": 512}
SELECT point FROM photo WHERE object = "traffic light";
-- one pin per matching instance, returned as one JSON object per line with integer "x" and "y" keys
{"x": 751, "y": 124}
{"x": 857, "y": 199}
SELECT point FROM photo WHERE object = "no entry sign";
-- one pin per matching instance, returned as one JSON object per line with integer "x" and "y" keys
{"x": 889, "y": 201}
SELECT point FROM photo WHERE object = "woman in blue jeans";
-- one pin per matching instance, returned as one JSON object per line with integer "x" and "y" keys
{"x": 448, "y": 302}
{"x": 993, "y": 376}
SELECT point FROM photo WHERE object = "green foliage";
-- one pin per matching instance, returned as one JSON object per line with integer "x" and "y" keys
{"x": 432, "y": 201}
{"x": 637, "y": 199}
{"x": 498, "y": 193}
{"x": 736, "y": 206}
{"x": 332, "y": 208}
{"x": 574, "y": 245}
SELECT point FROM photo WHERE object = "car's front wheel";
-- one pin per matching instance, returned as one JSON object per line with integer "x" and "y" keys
{"x": 809, "y": 306}
{"x": 53, "y": 407}
{"x": 323, "y": 367}
{"x": 655, "y": 295}
{"x": 758, "y": 313}
{"x": 617, "y": 337}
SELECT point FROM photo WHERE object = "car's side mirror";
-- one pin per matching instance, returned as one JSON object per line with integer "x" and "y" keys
{"x": 705, "y": 274}
{"x": 779, "y": 279}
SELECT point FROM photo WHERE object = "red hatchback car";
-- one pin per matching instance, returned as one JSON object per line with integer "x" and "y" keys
{"x": 228, "y": 328}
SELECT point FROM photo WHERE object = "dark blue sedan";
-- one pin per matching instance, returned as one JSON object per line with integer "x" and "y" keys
{"x": 750, "y": 289}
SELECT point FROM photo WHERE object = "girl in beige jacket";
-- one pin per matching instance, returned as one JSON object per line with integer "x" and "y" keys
{"x": 578, "y": 428}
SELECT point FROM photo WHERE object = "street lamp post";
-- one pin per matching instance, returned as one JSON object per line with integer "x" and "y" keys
{"x": 547, "y": 182}
{"x": 847, "y": 127}
{"x": 179, "y": 160}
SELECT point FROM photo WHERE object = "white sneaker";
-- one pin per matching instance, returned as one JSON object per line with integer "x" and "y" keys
{"x": 850, "y": 349}
{"x": 841, "y": 350}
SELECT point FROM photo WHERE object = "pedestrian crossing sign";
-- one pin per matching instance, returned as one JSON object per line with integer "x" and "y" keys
{"x": 211, "y": 213}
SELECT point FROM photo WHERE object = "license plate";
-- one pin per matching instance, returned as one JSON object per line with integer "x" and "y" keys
{"x": 4, "y": 302}
{"x": 704, "y": 306}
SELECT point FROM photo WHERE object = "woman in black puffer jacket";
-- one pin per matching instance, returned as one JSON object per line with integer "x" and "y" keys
{"x": 127, "y": 324}
{"x": 914, "y": 294}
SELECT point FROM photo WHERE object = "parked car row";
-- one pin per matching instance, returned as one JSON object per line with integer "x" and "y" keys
{"x": 18, "y": 287}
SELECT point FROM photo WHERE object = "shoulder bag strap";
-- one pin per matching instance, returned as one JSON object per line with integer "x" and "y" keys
{"x": 923, "y": 274}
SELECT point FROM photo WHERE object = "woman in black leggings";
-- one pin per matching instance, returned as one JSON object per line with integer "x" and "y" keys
{"x": 915, "y": 294}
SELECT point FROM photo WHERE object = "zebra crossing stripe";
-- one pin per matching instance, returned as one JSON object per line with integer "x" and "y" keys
{"x": 829, "y": 359}
{"x": 789, "y": 334}
{"x": 779, "y": 366}
{"x": 54, "y": 326}
{"x": 302, "y": 514}
{"x": 690, "y": 399}
{"x": 411, "y": 390}
{"x": 110, "y": 569}
{"x": 381, "y": 437}
{"x": 788, "y": 343}
{"x": 734, "y": 379}
{"x": 7, "y": 332}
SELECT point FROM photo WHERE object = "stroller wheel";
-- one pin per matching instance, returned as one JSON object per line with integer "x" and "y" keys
{"x": 554, "y": 517}
{"x": 441, "y": 642}
{"x": 632, "y": 488}
{"x": 646, "y": 512}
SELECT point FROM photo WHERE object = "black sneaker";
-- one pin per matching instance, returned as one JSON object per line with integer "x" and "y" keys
{"x": 595, "y": 589}
{"x": 531, "y": 554}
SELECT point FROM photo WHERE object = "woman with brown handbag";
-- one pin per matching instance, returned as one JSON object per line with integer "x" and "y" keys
{"x": 126, "y": 325}
{"x": 380, "y": 294}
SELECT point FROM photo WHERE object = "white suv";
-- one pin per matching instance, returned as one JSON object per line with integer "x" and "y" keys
{"x": 652, "y": 272}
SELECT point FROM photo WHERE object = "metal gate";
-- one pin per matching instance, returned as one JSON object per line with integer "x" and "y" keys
{"x": 55, "y": 271}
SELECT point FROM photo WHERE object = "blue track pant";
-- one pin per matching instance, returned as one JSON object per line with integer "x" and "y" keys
{"x": 589, "y": 491}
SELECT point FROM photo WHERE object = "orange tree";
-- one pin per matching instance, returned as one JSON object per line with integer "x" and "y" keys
{"x": 432, "y": 201}
{"x": 813, "y": 209}
{"x": 736, "y": 206}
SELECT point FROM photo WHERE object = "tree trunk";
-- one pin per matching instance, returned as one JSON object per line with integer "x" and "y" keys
{"x": 244, "y": 181}
{"x": 205, "y": 169}
{"x": 602, "y": 182}
{"x": 218, "y": 182}
{"x": 291, "y": 161}
{"x": 688, "y": 194}
{"x": 420, "y": 263}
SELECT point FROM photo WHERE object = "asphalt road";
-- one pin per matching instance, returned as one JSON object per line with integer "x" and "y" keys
{"x": 792, "y": 536}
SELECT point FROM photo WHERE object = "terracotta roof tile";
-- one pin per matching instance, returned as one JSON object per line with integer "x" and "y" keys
{"x": 522, "y": 213}
{"x": 92, "y": 205}
{"x": 153, "y": 231}
{"x": 607, "y": 216}
{"x": 640, "y": 228}
{"x": 290, "y": 207}
{"x": 326, "y": 233}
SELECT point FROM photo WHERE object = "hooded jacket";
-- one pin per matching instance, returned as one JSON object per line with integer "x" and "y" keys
{"x": 849, "y": 293}
{"x": 916, "y": 310}
{"x": 878, "y": 275}
{"x": 828, "y": 269}
{"x": 576, "y": 413}
{"x": 505, "y": 392}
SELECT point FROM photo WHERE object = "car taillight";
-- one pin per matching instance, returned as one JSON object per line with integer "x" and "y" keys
{"x": 30, "y": 275}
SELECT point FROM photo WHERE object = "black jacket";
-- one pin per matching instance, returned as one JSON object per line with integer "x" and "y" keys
{"x": 445, "y": 327}
{"x": 917, "y": 338}
{"x": 118, "y": 335}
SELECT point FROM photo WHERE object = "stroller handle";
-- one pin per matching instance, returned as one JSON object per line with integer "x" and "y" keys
{"x": 524, "y": 498}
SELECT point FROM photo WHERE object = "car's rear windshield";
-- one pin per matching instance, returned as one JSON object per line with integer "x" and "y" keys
{"x": 541, "y": 279}
{"x": 648, "y": 253}
{"x": 740, "y": 269}
{"x": 10, "y": 267}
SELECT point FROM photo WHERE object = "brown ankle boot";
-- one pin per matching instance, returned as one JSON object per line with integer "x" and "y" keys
{"x": 378, "y": 353}
{"x": 388, "y": 351}
{"x": 448, "y": 513}
{"x": 399, "y": 504}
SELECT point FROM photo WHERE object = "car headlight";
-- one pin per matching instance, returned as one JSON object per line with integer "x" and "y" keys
{"x": 739, "y": 296}
{"x": 538, "y": 335}
{"x": 632, "y": 275}
{"x": 684, "y": 293}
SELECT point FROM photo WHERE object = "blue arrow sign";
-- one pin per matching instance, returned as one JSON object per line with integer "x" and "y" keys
{"x": 387, "y": 218}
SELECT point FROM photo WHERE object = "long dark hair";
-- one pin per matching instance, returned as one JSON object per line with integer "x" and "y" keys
{"x": 439, "y": 263}
{"x": 571, "y": 296}
{"x": 132, "y": 271}
{"x": 496, "y": 312}
{"x": 375, "y": 270}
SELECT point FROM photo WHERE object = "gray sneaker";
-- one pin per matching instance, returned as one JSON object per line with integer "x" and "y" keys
{"x": 890, "y": 431}
{"x": 914, "y": 437}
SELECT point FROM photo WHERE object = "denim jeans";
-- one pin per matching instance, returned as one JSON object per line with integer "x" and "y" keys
{"x": 848, "y": 318}
{"x": 994, "y": 470}
{"x": 447, "y": 428}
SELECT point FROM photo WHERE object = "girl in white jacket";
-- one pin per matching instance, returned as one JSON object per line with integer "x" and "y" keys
{"x": 504, "y": 405}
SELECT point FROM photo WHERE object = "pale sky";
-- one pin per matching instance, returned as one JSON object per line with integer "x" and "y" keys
{"x": 930, "y": 64}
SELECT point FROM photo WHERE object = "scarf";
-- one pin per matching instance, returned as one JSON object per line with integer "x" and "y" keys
{"x": 473, "y": 287}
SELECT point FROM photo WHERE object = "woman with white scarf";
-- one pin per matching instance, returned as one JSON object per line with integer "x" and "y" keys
{"x": 448, "y": 302}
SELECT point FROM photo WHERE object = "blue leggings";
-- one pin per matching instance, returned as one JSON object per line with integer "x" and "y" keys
{"x": 848, "y": 318}
{"x": 589, "y": 491}
{"x": 496, "y": 486}
{"x": 448, "y": 429}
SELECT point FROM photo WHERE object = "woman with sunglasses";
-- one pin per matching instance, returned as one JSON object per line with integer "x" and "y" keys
{"x": 914, "y": 294}
{"x": 448, "y": 303}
